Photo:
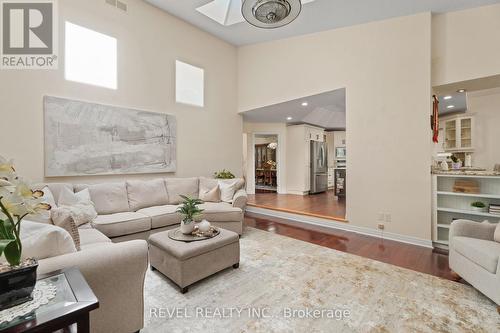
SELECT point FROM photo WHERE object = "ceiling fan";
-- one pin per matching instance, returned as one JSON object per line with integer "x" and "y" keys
{"x": 270, "y": 14}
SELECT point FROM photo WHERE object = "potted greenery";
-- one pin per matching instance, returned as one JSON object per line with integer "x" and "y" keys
{"x": 17, "y": 200}
{"x": 189, "y": 211}
{"x": 478, "y": 206}
{"x": 224, "y": 174}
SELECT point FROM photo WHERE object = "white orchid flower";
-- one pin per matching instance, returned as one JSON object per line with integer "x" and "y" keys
{"x": 15, "y": 205}
{"x": 6, "y": 166}
{"x": 4, "y": 183}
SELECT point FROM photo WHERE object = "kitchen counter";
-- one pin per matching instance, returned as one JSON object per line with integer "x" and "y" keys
{"x": 467, "y": 173}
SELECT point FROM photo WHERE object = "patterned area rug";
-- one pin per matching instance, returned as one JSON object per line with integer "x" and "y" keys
{"x": 286, "y": 285}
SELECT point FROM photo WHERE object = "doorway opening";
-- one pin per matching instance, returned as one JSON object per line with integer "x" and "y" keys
{"x": 266, "y": 163}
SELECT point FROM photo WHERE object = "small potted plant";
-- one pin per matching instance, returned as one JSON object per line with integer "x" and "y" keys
{"x": 17, "y": 200}
{"x": 224, "y": 174}
{"x": 478, "y": 206}
{"x": 189, "y": 210}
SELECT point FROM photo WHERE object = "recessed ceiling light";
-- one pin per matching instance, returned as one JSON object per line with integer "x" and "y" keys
{"x": 447, "y": 97}
{"x": 461, "y": 90}
{"x": 305, "y": 104}
{"x": 289, "y": 118}
{"x": 450, "y": 106}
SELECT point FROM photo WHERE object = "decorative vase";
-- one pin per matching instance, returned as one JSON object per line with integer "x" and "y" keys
{"x": 17, "y": 284}
{"x": 187, "y": 227}
{"x": 457, "y": 165}
{"x": 480, "y": 209}
{"x": 204, "y": 226}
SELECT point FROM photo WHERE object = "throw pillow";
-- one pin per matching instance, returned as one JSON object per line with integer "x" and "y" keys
{"x": 42, "y": 241}
{"x": 227, "y": 189}
{"x": 497, "y": 233}
{"x": 69, "y": 198}
{"x": 78, "y": 205}
{"x": 45, "y": 216}
{"x": 62, "y": 218}
{"x": 210, "y": 195}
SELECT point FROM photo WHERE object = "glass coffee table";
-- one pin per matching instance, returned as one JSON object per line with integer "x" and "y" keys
{"x": 72, "y": 305}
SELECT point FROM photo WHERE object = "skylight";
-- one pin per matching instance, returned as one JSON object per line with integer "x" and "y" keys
{"x": 90, "y": 57}
{"x": 226, "y": 12}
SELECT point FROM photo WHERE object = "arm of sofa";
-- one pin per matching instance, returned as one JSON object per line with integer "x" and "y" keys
{"x": 116, "y": 274}
{"x": 240, "y": 199}
{"x": 472, "y": 229}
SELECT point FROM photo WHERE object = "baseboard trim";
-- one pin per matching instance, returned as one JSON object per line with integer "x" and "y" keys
{"x": 332, "y": 224}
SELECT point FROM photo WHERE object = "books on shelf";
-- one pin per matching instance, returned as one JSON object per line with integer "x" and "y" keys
{"x": 494, "y": 209}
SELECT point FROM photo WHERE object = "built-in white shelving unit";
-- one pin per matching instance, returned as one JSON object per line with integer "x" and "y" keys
{"x": 449, "y": 205}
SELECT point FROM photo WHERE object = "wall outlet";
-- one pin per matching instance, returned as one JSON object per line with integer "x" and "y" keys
{"x": 388, "y": 217}
{"x": 381, "y": 226}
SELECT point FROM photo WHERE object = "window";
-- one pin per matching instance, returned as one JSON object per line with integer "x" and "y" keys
{"x": 90, "y": 57}
{"x": 189, "y": 84}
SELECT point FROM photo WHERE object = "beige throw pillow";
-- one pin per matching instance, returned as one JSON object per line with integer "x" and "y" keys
{"x": 210, "y": 195}
{"x": 497, "y": 233}
{"x": 78, "y": 205}
{"x": 227, "y": 189}
{"x": 62, "y": 218}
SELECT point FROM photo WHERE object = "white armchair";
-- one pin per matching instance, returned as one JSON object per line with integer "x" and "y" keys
{"x": 475, "y": 256}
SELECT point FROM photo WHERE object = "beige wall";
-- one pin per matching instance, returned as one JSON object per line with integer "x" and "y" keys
{"x": 386, "y": 69}
{"x": 485, "y": 106}
{"x": 149, "y": 42}
{"x": 465, "y": 45}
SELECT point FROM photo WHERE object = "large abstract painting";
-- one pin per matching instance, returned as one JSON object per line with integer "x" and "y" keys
{"x": 93, "y": 139}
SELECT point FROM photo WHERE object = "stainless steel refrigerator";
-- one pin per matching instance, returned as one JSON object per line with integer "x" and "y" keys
{"x": 319, "y": 167}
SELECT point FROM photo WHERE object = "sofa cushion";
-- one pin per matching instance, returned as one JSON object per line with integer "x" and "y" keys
{"x": 162, "y": 216}
{"x": 497, "y": 233}
{"x": 56, "y": 189}
{"x": 120, "y": 224}
{"x": 109, "y": 198}
{"x": 221, "y": 212}
{"x": 147, "y": 193}
{"x": 181, "y": 186}
{"x": 92, "y": 237}
{"x": 42, "y": 240}
{"x": 484, "y": 253}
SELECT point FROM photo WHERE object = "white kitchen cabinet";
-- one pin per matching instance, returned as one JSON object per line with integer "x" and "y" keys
{"x": 458, "y": 134}
{"x": 298, "y": 164}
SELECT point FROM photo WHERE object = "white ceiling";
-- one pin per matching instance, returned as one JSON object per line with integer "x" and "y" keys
{"x": 326, "y": 110}
{"x": 316, "y": 16}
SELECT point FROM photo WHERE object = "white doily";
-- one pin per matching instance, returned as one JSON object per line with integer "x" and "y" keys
{"x": 42, "y": 294}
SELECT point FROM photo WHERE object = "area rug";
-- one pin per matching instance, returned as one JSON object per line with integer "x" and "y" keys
{"x": 286, "y": 285}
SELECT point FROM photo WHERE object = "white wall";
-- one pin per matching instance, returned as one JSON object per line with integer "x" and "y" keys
{"x": 386, "y": 69}
{"x": 251, "y": 129}
{"x": 465, "y": 45}
{"x": 149, "y": 42}
{"x": 485, "y": 106}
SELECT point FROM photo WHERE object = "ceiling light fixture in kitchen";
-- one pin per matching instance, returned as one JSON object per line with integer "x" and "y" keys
{"x": 305, "y": 103}
{"x": 289, "y": 118}
{"x": 461, "y": 90}
{"x": 270, "y": 14}
{"x": 450, "y": 106}
{"x": 447, "y": 97}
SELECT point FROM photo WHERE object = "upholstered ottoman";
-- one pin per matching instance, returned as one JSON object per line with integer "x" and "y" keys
{"x": 187, "y": 263}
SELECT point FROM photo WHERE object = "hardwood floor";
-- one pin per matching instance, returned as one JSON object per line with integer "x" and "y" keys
{"x": 413, "y": 257}
{"x": 324, "y": 205}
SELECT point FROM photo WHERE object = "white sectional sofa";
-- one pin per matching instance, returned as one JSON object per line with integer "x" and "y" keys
{"x": 128, "y": 212}
{"x": 137, "y": 208}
